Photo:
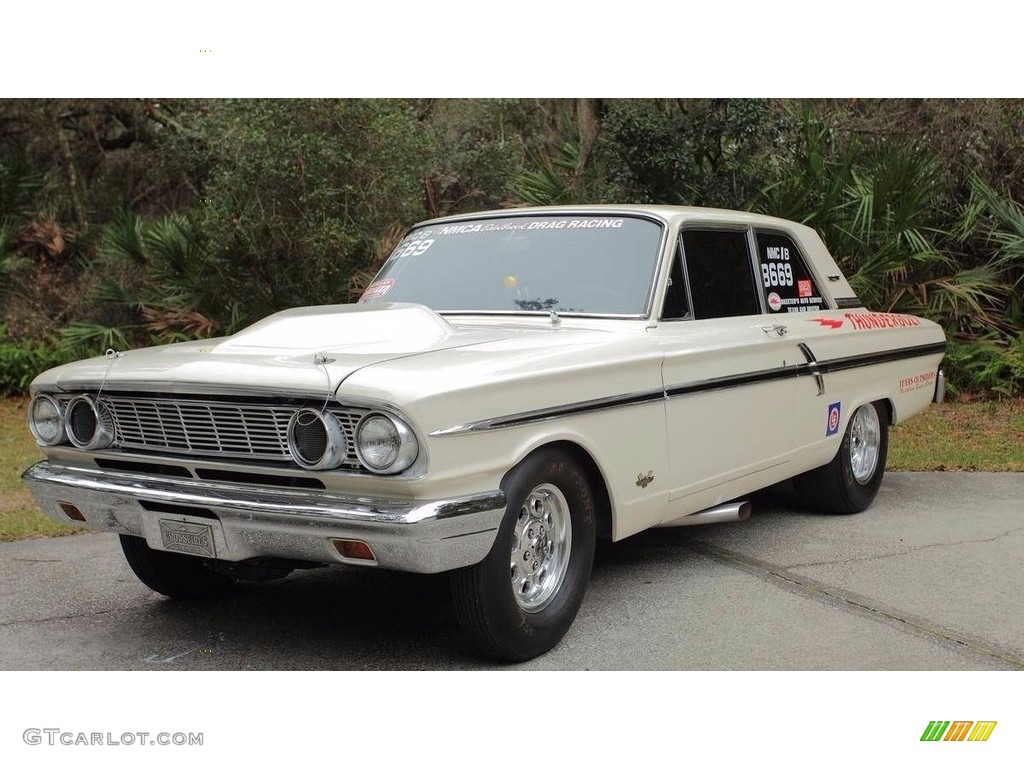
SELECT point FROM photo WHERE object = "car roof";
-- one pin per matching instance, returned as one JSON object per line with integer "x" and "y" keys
{"x": 668, "y": 213}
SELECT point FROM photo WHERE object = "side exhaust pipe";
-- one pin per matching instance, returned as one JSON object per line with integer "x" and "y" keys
{"x": 940, "y": 387}
{"x": 724, "y": 513}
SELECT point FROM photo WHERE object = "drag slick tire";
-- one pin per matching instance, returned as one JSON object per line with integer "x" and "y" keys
{"x": 850, "y": 482}
{"x": 521, "y": 599}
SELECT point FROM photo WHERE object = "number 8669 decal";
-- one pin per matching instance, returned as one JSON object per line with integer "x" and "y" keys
{"x": 777, "y": 274}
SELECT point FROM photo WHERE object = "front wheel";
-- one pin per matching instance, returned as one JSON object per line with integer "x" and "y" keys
{"x": 521, "y": 599}
{"x": 172, "y": 574}
{"x": 850, "y": 482}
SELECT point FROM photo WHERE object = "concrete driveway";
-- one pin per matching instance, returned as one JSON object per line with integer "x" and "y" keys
{"x": 929, "y": 578}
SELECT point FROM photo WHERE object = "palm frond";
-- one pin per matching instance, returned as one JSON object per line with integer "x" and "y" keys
{"x": 123, "y": 240}
{"x": 93, "y": 337}
{"x": 965, "y": 302}
{"x": 1005, "y": 230}
{"x": 551, "y": 181}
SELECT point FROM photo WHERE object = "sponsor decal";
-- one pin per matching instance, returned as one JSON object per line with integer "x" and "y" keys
{"x": 832, "y": 424}
{"x": 579, "y": 224}
{"x": 377, "y": 289}
{"x": 866, "y": 321}
{"x": 825, "y": 322}
{"x": 793, "y": 304}
{"x": 958, "y": 730}
{"x": 804, "y": 288}
{"x": 504, "y": 226}
{"x": 461, "y": 229}
{"x": 920, "y": 381}
{"x": 805, "y": 304}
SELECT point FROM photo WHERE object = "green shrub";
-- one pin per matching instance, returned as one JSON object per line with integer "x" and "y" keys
{"x": 20, "y": 363}
{"x": 985, "y": 365}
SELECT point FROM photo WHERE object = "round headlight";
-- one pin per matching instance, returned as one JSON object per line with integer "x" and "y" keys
{"x": 385, "y": 444}
{"x": 316, "y": 439}
{"x": 46, "y": 420}
{"x": 89, "y": 423}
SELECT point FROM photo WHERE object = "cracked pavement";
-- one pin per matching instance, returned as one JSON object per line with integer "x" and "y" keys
{"x": 929, "y": 578}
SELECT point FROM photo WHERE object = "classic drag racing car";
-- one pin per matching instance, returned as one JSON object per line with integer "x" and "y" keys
{"x": 512, "y": 386}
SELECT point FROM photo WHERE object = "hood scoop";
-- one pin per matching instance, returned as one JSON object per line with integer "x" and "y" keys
{"x": 344, "y": 328}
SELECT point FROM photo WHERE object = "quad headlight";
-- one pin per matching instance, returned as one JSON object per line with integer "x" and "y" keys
{"x": 316, "y": 439}
{"x": 88, "y": 423}
{"x": 385, "y": 444}
{"x": 46, "y": 420}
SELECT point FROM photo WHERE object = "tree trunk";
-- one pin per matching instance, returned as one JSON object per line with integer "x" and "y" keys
{"x": 69, "y": 163}
{"x": 588, "y": 124}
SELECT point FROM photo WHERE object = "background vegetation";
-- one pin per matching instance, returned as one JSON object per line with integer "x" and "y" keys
{"x": 130, "y": 222}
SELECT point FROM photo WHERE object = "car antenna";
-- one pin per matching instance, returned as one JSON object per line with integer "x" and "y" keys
{"x": 320, "y": 360}
{"x": 112, "y": 356}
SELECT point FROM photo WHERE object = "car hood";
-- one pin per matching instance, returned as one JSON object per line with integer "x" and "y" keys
{"x": 304, "y": 350}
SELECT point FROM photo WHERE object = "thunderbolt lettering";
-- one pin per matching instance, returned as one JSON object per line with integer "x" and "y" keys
{"x": 864, "y": 321}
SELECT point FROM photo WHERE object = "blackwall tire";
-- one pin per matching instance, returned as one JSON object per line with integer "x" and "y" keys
{"x": 850, "y": 482}
{"x": 179, "y": 576}
{"x": 520, "y": 600}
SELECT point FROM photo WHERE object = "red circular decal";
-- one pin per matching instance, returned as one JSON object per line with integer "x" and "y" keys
{"x": 774, "y": 301}
{"x": 833, "y": 419}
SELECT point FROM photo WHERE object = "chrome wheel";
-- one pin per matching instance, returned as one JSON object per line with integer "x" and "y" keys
{"x": 865, "y": 441}
{"x": 521, "y": 599}
{"x": 541, "y": 541}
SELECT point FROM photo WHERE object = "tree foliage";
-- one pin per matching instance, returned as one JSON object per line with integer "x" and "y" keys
{"x": 132, "y": 221}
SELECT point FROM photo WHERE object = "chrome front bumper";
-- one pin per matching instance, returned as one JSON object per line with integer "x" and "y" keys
{"x": 249, "y": 521}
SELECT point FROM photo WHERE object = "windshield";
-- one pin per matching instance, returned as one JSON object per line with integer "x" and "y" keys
{"x": 569, "y": 264}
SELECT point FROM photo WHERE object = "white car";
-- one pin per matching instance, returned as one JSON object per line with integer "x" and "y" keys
{"x": 511, "y": 387}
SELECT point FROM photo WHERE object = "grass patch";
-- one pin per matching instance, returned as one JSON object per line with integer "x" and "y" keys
{"x": 972, "y": 437}
{"x": 20, "y": 518}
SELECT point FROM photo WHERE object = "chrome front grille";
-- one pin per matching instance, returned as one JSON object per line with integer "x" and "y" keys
{"x": 214, "y": 428}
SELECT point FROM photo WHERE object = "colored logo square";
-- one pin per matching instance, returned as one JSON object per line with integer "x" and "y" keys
{"x": 804, "y": 288}
{"x": 833, "y": 419}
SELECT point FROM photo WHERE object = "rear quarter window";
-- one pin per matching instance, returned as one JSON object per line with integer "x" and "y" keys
{"x": 787, "y": 283}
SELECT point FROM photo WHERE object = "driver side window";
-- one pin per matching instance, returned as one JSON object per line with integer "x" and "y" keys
{"x": 721, "y": 273}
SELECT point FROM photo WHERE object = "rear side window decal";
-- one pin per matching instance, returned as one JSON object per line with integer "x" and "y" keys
{"x": 787, "y": 283}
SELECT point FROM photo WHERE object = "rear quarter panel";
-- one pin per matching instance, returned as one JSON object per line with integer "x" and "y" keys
{"x": 865, "y": 357}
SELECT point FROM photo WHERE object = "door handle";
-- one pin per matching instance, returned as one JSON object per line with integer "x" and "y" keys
{"x": 777, "y": 328}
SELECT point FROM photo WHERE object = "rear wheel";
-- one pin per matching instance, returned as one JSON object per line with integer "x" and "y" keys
{"x": 850, "y": 482}
{"x": 520, "y": 600}
{"x": 172, "y": 574}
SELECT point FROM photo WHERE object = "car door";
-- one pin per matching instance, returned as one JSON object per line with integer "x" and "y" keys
{"x": 729, "y": 372}
{"x": 792, "y": 296}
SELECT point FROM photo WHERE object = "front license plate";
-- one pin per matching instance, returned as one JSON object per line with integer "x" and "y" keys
{"x": 190, "y": 538}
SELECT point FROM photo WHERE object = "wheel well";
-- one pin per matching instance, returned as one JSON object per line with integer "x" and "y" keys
{"x": 602, "y": 501}
{"x": 890, "y": 412}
